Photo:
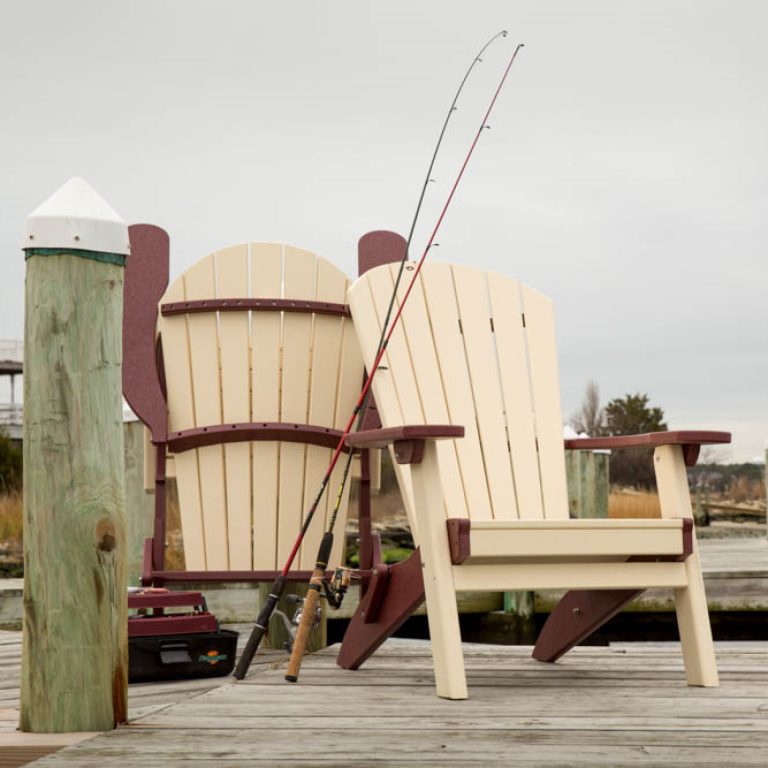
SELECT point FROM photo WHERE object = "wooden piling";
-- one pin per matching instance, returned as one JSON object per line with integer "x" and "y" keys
{"x": 74, "y": 667}
{"x": 587, "y": 474}
{"x": 139, "y": 505}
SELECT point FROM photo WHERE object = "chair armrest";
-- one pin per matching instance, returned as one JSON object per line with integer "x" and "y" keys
{"x": 690, "y": 440}
{"x": 408, "y": 440}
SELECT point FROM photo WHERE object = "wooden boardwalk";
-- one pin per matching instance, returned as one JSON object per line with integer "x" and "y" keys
{"x": 623, "y": 705}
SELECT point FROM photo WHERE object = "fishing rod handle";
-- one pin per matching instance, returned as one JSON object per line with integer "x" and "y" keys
{"x": 260, "y": 628}
{"x": 301, "y": 640}
{"x": 305, "y": 625}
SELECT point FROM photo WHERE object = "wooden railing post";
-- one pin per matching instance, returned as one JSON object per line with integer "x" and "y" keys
{"x": 74, "y": 666}
{"x": 139, "y": 505}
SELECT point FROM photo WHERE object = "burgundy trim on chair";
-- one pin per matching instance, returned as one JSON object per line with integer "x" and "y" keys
{"x": 192, "y": 577}
{"x": 578, "y": 614}
{"x": 377, "y": 588}
{"x": 458, "y": 539}
{"x": 381, "y": 438}
{"x": 254, "y": 305}
{"x": 364, "y": 512}
{"x": 687, "y": 538}
{"x": 146, "y": 563}
{"x": 691, "y": 441}
{"x": 187, "y": 439}
{"x": 403, "y": 594}
{"x": 377, "y": 248}
{"x": 145, "y": 281}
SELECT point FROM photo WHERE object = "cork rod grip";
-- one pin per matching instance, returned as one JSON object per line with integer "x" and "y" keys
{"x": 305, "y": 626}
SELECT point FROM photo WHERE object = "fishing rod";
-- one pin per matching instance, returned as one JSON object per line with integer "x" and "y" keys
{"x": 326, "y": 544}
{"x": 335, "y": 592}
{"x": 318, "y": 576}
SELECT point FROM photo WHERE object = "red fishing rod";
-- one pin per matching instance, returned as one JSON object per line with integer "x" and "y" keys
{"x": 326, "y": 544}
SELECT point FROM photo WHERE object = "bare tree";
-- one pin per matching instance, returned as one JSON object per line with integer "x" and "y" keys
{"x": 590, "y": 417}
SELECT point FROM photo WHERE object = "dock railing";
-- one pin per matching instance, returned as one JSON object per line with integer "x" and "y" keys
{"x": 11, "y": 350}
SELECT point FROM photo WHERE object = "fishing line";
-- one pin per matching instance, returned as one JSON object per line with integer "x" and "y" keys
{"x": 388, "y": 328}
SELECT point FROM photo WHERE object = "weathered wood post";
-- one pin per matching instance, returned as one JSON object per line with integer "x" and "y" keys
{"x": 74, "y": 667}
{"x": 139, "y": 504}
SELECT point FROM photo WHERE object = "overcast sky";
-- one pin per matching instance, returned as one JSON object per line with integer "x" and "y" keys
{"x": 625, "y": 174}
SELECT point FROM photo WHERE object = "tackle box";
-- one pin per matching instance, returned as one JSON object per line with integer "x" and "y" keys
{"x": 172, "y": 635}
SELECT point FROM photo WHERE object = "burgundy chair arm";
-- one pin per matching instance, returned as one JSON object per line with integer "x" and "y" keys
{"x": 408, "y": 440}
{"x": 691, "y": 440}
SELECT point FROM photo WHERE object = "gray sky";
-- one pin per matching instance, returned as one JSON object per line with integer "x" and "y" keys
{"x": 625, "y": 174}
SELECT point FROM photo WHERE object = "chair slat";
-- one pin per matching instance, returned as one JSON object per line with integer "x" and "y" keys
{"x": 394, "y": 382}
{"x": 231, "y": 278}
{"x": 348, "y": 385}
{"x": 430, "y": 380}
{"x": 331, "y": 286}
{"x": 200, "y": 283}
{"x": 507, "y": 313}
{"x": 266, "y": 340}
{"x": 545, "y": 382}
{"x": 440, "y": 295}
{"x": 299, "y": 272}
{"x": 483, "y": 367}
{"x": 176, "y": 357}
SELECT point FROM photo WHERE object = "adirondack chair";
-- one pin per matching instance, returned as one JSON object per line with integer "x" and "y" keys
{"x": 475, "y": 356}
{"x": 244, "y": 370}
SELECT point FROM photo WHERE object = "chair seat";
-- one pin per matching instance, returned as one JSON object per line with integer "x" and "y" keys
{"x": 490, "y": 542}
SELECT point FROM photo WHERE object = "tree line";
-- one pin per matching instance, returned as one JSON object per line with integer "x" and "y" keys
{"x": 629, "y": 415}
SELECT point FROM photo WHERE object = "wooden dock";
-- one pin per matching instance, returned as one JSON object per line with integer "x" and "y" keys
{"x": 623, "y": 705}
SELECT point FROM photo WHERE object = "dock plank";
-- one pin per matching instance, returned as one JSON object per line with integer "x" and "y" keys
{"x": 623, "y": 705}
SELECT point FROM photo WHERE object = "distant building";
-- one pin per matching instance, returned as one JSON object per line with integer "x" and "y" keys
{"x": 11, "y": 365}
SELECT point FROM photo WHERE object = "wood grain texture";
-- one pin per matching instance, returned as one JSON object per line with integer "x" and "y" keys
{"x": 139, "y": 505}
{"x": 601, "y": 706}
{"x": 75, "y": 654}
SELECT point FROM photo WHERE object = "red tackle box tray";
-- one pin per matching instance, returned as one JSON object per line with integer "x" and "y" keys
{"x": 173, "y": 636}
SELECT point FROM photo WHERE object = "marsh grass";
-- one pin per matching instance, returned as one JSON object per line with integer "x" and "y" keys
{"x": 11, "y": 518}
{"x": 627, "y": 503}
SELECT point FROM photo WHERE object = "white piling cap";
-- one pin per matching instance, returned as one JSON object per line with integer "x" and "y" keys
{"x": 76, "y": 216}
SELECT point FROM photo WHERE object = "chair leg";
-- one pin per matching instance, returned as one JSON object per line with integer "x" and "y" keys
{"x": 690, "y": 601}
{"x": 579, "y": 613}
{"x": 445, "y": 634}
{"x": 695, "y": 630}
{"x": 442, "y": 611}
{"x": 399, "y": 597}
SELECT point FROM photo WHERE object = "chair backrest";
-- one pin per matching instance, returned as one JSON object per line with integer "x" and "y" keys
{"x": 476, "y": 349}
{"x": 285, "y": 353}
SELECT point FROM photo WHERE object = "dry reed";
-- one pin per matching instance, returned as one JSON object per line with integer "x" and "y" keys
{"x": 11, "y": 518}
{"x": 634, "y": 504}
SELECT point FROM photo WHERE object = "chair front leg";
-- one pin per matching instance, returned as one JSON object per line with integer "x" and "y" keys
{"x": 690, "y": 601}
{"x": 442, "y": 612}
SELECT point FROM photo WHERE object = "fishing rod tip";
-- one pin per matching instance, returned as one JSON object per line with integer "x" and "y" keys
{"x": 503, "y": 32}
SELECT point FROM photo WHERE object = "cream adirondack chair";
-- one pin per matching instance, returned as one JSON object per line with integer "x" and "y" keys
{"x": 489, "y": 511}
{"x": 245, "y": 369}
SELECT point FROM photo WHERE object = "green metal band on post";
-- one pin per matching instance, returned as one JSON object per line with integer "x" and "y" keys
{"x": 106, "y": 258}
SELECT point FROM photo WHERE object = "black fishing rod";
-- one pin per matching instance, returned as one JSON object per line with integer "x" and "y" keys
{"x": 318, "y": 576}
{"x": 335, "y": 594}
{"x": 326, "y": 544}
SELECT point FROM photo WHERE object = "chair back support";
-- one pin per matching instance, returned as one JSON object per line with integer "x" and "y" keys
{"x": 242, "y": 502}
{"x": 476, "y": 349}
